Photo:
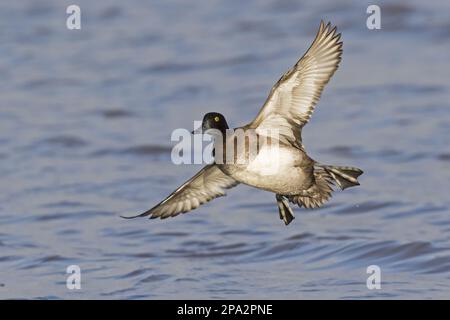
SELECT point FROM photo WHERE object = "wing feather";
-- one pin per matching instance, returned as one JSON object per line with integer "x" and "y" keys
{"x": 293, "y": 98}
{"x": 207, "y": 184}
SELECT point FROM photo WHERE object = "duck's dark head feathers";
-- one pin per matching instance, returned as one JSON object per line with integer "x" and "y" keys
{"x": 214, "y": 120}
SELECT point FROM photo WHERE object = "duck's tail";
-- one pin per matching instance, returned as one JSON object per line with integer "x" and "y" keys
{"x": 343, "y": 177}
{"x": 325, "y": 178}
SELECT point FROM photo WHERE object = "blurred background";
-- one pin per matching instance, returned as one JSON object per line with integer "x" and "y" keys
{"x": 85, "y": 123}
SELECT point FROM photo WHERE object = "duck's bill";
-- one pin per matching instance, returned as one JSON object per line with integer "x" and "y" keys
{"x": 199, "y": 130}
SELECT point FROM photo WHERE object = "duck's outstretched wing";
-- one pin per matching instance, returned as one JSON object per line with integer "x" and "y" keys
{"x": 292, "y": 99}
{"x": 207, "y": 184}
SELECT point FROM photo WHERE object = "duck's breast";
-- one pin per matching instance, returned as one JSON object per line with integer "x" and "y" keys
{"x": 277, "y": 169}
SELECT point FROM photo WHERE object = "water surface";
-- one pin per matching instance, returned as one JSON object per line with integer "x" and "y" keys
{"x": 85, "y": 124}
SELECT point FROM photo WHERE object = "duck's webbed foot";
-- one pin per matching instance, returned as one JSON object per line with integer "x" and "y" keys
{"x": 286, "y": 213}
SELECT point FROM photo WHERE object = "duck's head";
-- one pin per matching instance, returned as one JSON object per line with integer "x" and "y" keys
{"x": 213, "y": 120}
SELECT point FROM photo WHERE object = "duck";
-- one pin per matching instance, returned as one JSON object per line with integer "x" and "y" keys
{"x": 280, "y": 164}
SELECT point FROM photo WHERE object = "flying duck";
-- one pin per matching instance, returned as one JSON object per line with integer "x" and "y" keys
{"x": 295, "y": 177}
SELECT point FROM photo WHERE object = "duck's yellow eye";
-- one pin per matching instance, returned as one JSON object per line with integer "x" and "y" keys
{"x": 216, "y": 119}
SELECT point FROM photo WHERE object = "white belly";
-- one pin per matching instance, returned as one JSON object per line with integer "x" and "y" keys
{"x": 272, "y": 169}
{"x": 272, "y": 161}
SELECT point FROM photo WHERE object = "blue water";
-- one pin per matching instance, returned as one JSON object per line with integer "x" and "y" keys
{"x": 85, "y": 124}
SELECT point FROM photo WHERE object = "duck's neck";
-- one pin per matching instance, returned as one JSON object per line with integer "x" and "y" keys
{"x": 219, "y": 138}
